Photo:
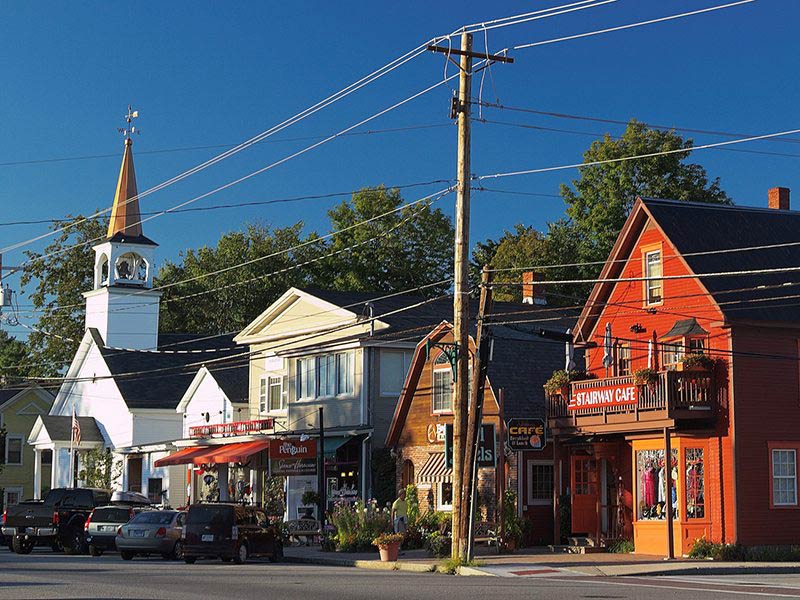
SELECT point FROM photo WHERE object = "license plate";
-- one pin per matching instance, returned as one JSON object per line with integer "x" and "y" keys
{"x": 209, "y": 537}
{"x": 104, "y": 528}
{"x": 137, "y": 533}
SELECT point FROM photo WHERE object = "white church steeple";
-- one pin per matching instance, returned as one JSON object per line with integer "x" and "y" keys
{"x": 122, "y": 306}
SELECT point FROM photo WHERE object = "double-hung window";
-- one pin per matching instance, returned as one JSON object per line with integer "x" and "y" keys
{"x": 344, "y": 372}
{"x": 442, "y": 384}
{"x": 653, "y": 273}
{"x": 623, "y": 359}
{"x": 272, "y": 398}
{"x": 307, "y": 378}
{"x": 13, "y": 450}
{"x": 325, "y": 376}
{"x": 784, "y": 477}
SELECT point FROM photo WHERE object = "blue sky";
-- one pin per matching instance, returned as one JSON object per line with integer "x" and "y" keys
{"x": 205, "y": 73}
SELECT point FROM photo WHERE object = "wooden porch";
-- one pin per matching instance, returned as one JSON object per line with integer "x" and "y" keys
{"x": 675, "y": 396}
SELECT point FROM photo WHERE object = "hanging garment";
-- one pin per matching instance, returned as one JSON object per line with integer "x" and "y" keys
{"x": 662, "y": 485}
{"x": 649, "y": 486}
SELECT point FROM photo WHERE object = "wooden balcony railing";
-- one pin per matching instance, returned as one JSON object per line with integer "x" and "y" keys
{"x": 674, "y": 391}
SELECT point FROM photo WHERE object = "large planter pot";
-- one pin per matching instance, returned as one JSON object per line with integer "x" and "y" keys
{"x": 389, "y": 552}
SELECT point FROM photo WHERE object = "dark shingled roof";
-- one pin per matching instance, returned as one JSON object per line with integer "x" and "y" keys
{"x": 234, "y": 381}
{"x": 8, "y": 394}
{"x": 697, "y": 227}
{"x": 683, "y": 328}
{"x": 522, "y": 360}
{"x": 429, "y": 314}
{"x": 168, "y": 373}
{"x": 59, "y": 428}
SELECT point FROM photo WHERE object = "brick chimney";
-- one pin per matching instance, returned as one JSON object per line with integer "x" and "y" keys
{"x": 532, "y": 293}
{"x": 779, "y": 198}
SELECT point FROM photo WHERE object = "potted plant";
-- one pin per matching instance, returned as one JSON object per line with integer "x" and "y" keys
{"x": 696, "y": 361}
{"x": 388, "y": 545}
{"x": 559, "y": 381}
{"x": 648, "y": 377}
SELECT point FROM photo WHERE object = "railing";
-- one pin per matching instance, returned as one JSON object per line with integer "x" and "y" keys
{"x": 682, "y": 390}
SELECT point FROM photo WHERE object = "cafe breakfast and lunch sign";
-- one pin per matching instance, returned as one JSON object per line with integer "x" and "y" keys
{"x": 604, "y": 396}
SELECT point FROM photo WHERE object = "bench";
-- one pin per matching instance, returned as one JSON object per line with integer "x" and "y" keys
{"x": 302, "y": 528}
{"x": 485, "y": 532}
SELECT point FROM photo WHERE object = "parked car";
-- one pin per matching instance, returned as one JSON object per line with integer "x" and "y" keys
{"x": 156, "y": 531}
{"x": 100, "y": 529}
{"x": 57, "y": 521}
{"x": 230, "y": 532}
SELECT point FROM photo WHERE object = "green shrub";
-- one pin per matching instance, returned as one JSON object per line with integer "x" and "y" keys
{"x": 412, "y": 504}
{"x": 512, "y": 522}
{"x": 358, "y": 524}
{"x": 562, "y": 378}
{"x": 438, "y": 544}
{"x": 621, "y": 547}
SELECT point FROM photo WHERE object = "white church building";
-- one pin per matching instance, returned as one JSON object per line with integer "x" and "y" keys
{"x": 126, "y": 383}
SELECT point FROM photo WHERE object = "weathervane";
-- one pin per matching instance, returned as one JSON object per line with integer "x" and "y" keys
{"x": 130, "y": 129}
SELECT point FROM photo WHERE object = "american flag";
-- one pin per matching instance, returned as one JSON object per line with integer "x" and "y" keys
{"x": 76, "y": 430}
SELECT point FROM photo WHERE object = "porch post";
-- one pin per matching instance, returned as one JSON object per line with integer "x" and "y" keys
{"x": 556, "y": 493}
{"x": 54, "y": 467}
{"x": 37, "y": 474}
{"x": 668, "y": 492}
{"x": 222, "y": 473}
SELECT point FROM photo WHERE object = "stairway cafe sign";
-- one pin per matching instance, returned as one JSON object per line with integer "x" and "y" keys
{"x": 603, "y": 396}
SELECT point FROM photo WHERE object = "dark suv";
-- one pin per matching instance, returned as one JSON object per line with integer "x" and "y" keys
{"x": 230, "y": 532}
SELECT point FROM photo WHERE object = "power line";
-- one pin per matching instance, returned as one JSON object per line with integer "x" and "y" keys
{"x": 215, "y": 146}
{"x": 245, "y": 204}
{"x": 630, "y": 25}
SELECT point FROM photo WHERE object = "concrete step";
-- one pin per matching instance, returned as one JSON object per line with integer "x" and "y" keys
{"x": 571, "y": 549}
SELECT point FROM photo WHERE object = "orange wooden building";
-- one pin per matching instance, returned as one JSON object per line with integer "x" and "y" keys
{"x": 732, "y": 426}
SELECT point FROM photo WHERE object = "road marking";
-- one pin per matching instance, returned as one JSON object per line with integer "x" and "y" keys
{"x": 633, "y": 582}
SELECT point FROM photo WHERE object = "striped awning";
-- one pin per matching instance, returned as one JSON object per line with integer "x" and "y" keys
{"x": 434, "y": 470}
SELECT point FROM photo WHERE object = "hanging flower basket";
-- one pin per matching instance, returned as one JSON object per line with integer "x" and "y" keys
{"x": 648, "y": 377}
{"x": 559, "y": 381}
{"x": 696, "y": 362}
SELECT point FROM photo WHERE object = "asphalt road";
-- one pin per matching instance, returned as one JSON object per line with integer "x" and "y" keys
{"x": 44, "y": 574}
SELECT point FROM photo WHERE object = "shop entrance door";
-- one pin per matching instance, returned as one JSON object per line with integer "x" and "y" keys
{"x": 584, "y": 495}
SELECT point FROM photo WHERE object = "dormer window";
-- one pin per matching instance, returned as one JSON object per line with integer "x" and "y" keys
{"x": 685, "y": 337}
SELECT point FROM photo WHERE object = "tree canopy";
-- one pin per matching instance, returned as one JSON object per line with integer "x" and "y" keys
{"x": 597, "y": 204}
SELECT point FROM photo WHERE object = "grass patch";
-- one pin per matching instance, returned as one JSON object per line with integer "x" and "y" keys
{"x": 621, "y": 547}
{"x": 451, "y": 565}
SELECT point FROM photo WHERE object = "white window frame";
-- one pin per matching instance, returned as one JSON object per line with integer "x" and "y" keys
{"x": 529, "y": 499}
{"x": 792, "y": 478}
{"x": 339, "y": 368}
{"x": 302, "y": 385}
{"x": 650, "y": 280}
{"x": 439, "y": 495}
{"x": 9, "y": 438}
{"x": 327, "y": 376}
{"x": 275, "y": 381}
{"x": 13, "y": 489}
{"x": 348, "y": 358}
{"x": 405, "y": 364}
{"x": 447, "y": 373}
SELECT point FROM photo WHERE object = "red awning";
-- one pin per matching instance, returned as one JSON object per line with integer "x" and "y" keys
{"x": 235, "y": 453}
{"x": 183, "y": 457}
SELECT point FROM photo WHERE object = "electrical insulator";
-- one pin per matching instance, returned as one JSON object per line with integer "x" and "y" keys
{"x": 5, "y": 296}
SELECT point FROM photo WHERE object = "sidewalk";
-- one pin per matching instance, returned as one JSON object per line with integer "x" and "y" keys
{"x": 538, "y": 562}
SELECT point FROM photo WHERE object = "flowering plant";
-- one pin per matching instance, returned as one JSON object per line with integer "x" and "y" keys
{"x": 385, "y": 539}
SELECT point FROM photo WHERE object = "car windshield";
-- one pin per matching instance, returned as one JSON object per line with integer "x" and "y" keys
{"x": 111, "y": 515}
{"x": 154, "y": 517}
{"x": 215, "y": 515}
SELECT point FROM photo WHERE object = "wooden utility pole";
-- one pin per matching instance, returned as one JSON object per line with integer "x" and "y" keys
{"x": 461, "y": 292}
{"x": 469, "y": 478}
{"x": 461, "y": 108}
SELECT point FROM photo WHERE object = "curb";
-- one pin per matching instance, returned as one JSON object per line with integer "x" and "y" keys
{"x": 374, "y": 565}
{"x": 756, "y": 569}
{"x": 474, "y": 572}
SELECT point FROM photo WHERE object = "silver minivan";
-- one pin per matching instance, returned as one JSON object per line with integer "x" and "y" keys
{"x": 152, "y": 532}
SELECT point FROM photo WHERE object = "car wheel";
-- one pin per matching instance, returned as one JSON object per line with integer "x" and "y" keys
{"x": 226, "y": 558}
{"x": 22, "y": 546}
{"x": 56, "y": 547}
{"x": 177, "y": 551}
{"x": 241, "y": 555}
{"x": 277, "y": 553}
{"x": 126, "y": 554}
{"x": 95, "y": 551}
{"x": 75, "y": 542}
{"x": 189, "y": 560}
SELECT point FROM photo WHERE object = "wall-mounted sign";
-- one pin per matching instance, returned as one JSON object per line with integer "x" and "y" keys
{"x": 293, "y": 448}
{"x": 228, "y": 429}
{"x": 487, "y": 454}
{"x": 604, "y": 395}
{"x": 526, "y": 434}
{"x": 436, "y": 433}
{"x": 293, "y": 466}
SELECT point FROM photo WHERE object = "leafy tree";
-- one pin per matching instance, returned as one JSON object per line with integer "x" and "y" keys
{"x": 416, "y": 247}
{"x": 61, "y": 273}
{"x": 230, "y": 300}
{"x": 599, "y": 201}
{"x": 14, "y": 359}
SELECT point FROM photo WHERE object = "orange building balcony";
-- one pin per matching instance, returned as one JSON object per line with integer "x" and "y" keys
{"x": 618, "y": 404}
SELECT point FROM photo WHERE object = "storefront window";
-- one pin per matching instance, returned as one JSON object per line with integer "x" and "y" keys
{"x": 695, "y": 484}
{"x": 652, "y": 471}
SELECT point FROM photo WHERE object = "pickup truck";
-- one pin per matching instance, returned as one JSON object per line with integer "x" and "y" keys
{"x": 57, "y": 521}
